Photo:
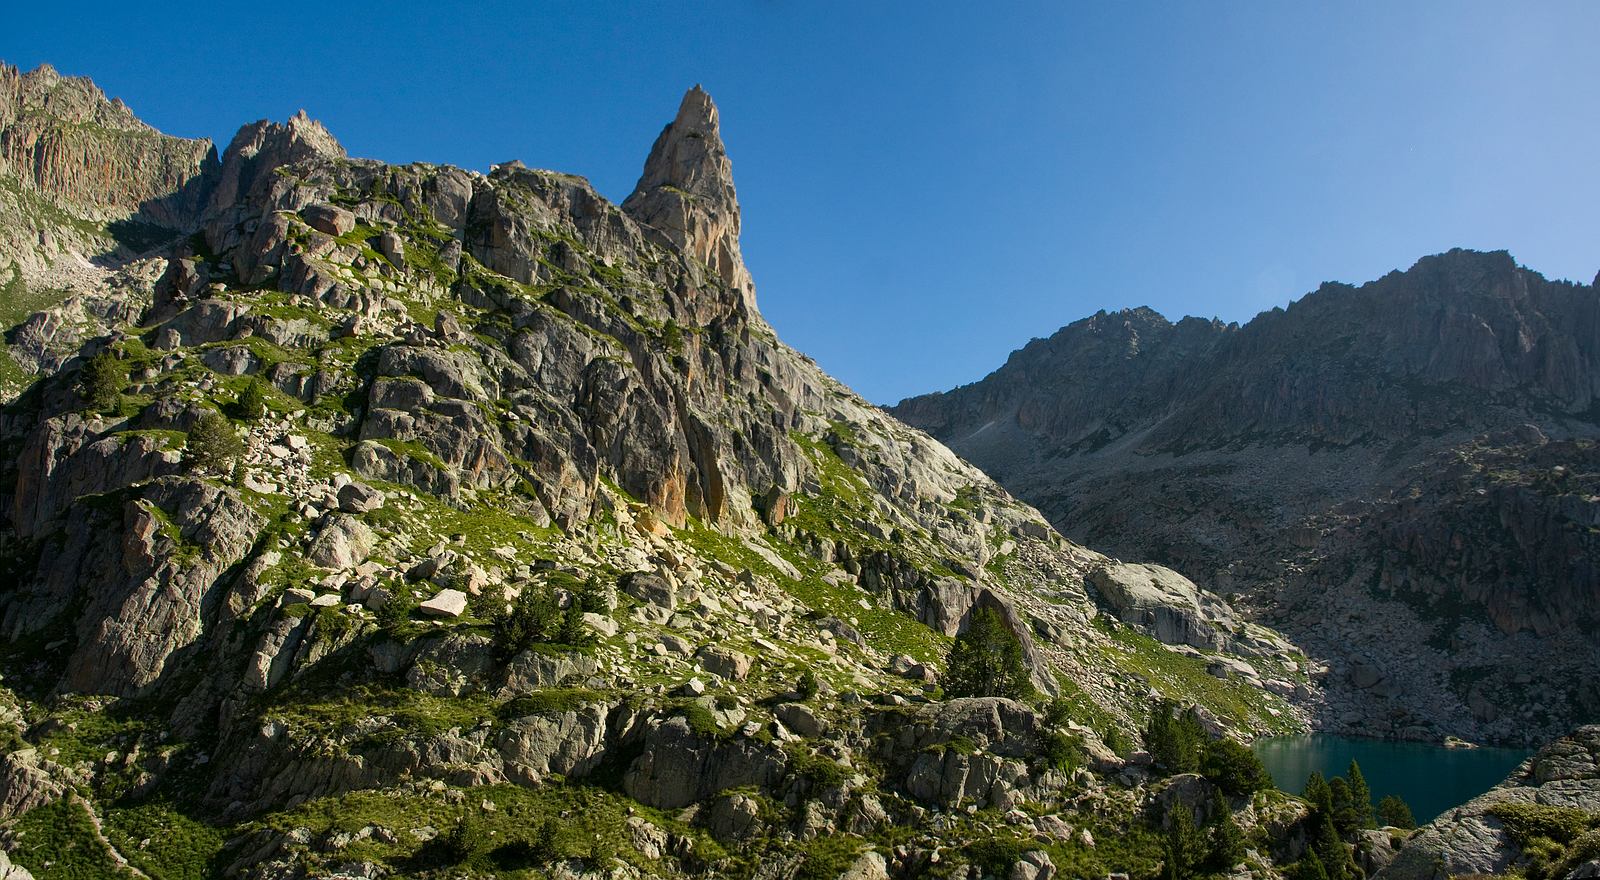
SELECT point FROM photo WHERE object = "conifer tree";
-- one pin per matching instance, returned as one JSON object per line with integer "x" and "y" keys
{"x": 1360, "y": 796}
{"x": 986, "y": 660}
{"x": 1227, "y": 841}
{"x": 1396, "y": 812}
{"x": 1318, "y": 794}
{"x": 1331, "y": 850}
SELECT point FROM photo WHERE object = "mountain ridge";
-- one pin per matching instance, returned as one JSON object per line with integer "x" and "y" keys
{"x": 1246, "y": 456}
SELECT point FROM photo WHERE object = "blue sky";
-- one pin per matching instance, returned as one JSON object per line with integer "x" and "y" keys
{"x": 927, "y": 186}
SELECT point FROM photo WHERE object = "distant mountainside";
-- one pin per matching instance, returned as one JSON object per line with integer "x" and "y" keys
{"x": 375, "y": 520}
{"x": 1402, "y": 475}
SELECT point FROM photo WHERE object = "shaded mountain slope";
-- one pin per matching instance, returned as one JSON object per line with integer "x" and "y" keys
{"x": 1401, "y": 474}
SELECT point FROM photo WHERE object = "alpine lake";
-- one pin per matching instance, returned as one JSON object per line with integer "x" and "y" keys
{"x": 1431, "y": 778}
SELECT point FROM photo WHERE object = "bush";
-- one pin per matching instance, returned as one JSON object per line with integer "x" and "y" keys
{"x": 1227, "y": 840}
{"x": 213, "y": 446}
{"x": 102, "y": 380}
{"x": 1526, "y": 822}
{"x": 1062, "y": 751}
{"x": 1174, "y": 738}
{"x": 808, "y": 686}
{"x": 986, "y": 660}
{"x": 533, "y": 618}
{"x": 252, "y": 402}
{"x": 1234, "y": 768}
{"x": 1393, "y": 811}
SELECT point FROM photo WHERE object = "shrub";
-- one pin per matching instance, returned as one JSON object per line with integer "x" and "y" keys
{"x": 533, "y": 618}
{"x": 102, "y": 380}
{"x": 1526, "y": 822}
{"x": 808, "y": 686}
{"x": 1174, "y": 738}
{"x": 986, "y": 660}
{"x": 1395, "y": 812}
{"x": 252, "y": 402}
{"x": 1234, "y": 768}
{"x": 213, "y": 446}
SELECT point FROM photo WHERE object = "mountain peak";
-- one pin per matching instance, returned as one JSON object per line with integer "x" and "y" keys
{"x": 686, "y": 192}
{"x": 263, "y": 145}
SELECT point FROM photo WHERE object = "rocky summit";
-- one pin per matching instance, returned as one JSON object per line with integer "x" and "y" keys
{"x": 1401, "y": 476}
{"x": 370, "y": 520}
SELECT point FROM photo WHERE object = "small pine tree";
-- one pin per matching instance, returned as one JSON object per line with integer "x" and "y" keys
{"x": 534, "y": 617}
{"x": 1395, "y": 812}
{"x": 1174, "y": 738}
{"x": 213, "y": 445}
{"x": 253, "y": 401}
{"x": 1360, "y": 796}
{"x": 1234, "y": 768}
{"x": 1227, "y": 840}
{"x": 1187, "y": 846}
{"x": 102, "y": 380}
{"x": 1343, "y": 812}
{"x": 592, "y": 596}
{"x": 573, "y": 631}
{"x": 808, "y": 686}
{"x": 986, "y": 660}
{"x": 1331, "y": 850}
{"x": 1318, "y": 794}
{"x": 1308, "y": 868}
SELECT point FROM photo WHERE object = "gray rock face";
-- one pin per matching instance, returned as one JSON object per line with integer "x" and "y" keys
{"x": 445, "y": 603}
{"x": 24, "y": 784}
{"x": 1471, "y": 840}
{"x": 686, "y": 193}
{"x": 9, "y": 871}
{"x": 343, "y": 543}
{"x": 971, "y": 750}
{"x": 678, "y": 767}
{"x": 1166, "y": 603}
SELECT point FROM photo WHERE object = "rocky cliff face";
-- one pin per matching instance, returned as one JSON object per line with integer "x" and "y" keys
{"x": 418, "y": 518}
{"x": 1356, "y": 466}
{"x": 86, "y": 191}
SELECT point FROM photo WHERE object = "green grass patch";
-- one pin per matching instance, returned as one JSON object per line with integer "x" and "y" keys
{"x": 57, "y": 842}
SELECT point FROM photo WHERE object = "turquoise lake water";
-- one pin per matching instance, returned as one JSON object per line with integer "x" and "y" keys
{"x": 1430, "y": 778}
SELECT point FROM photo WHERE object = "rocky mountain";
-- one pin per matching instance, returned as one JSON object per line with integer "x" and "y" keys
{"x": 404, "y": 520}
{"x": 85, "y": 188}
{"x": 1401, "y": 476}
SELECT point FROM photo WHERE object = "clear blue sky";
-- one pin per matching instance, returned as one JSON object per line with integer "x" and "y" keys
{"x": 926, "y": 186}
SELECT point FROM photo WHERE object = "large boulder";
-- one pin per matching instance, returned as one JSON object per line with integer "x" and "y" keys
{"x": 343, "y": 543}
{"x": 1165, "y": 604}
{"x": 679, "y": 767}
